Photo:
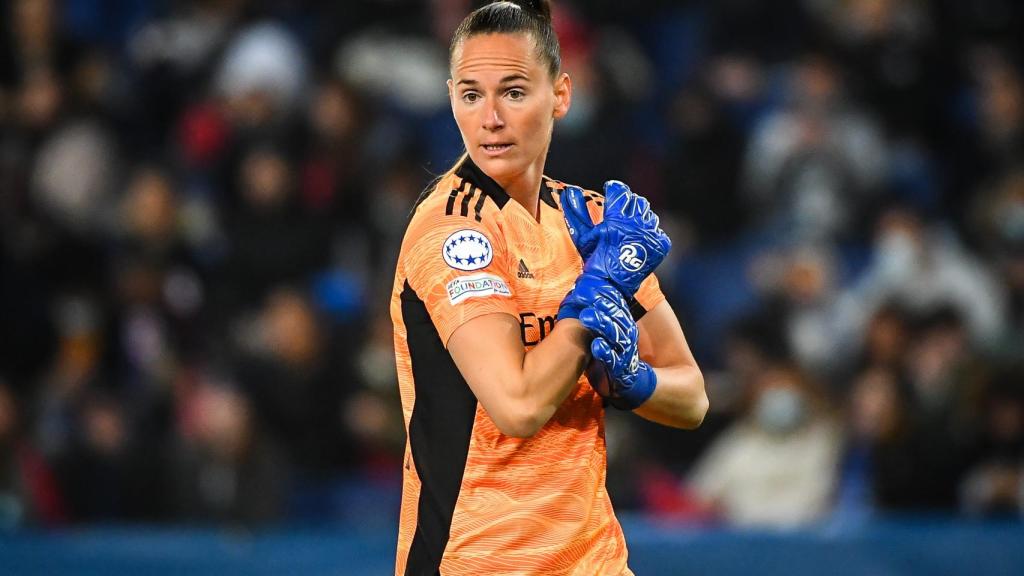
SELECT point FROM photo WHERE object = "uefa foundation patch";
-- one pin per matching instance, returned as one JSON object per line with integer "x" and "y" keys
{"x": 476, "y": 286}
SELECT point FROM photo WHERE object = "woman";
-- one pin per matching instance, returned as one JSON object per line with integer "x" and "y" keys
{"x": 505, "y": 460}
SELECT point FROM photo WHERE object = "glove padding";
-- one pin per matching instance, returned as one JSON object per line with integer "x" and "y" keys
{"x": 616, "y": 371}
{"x": 626, "y": 246}
{"x": 587, "y": 289}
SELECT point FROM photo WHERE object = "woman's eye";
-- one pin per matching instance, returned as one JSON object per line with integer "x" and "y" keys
{"x": 470, "y": 97}
{"x": 516, "y": 94}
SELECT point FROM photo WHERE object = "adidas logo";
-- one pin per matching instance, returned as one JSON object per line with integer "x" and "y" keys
{"x": 524, "y": 272}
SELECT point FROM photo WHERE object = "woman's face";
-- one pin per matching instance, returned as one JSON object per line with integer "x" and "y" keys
{"x": 505, "y": 104}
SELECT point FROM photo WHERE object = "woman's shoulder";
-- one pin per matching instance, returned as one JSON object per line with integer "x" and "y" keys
{"x": 451, "y": 202}
{"x": 557, "y": 186}
{"x": 434, "y": 193}
{"x": 551, "y": 192}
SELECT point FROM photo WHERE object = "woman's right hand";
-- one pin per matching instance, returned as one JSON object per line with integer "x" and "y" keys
{"x": 626, "y": 246}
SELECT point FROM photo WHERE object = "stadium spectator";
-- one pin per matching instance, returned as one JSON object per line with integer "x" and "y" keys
{"x": 28, "y": 492}
{"x": 813, "y": 166}
{"x": 295, "y": 386}
{"x": 995, "y": 484}
{"x": 924, "y": 267}
{"x": 777, "y": 466}
{"x": 227, "y": 472}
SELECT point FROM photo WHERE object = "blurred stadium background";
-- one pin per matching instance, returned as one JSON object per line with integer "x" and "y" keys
{"x": 200, "y": 208}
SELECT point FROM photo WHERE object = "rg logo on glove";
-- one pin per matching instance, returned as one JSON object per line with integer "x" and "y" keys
{"x": 632, "y": 257}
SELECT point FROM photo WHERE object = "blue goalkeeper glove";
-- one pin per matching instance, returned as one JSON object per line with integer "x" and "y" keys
{"x": 626, "y": 246}
{"x": 587, "y": 289}
{"x": 616, "y": 371}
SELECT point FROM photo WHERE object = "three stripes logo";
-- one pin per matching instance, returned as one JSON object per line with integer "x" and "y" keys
{"x": 467, "y": 198}
{"x": 524, "y": 272}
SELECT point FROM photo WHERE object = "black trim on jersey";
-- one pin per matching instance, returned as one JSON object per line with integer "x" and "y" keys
{"x": 636, "y": 309}
{"x": 545, "y": 193}
{"x": 450, "y": 207}
{"x": 439, "y": 432}
{"x": 597, "y": 199}
{"x": 464, "y": 210}
{"x": 469, "y": 171}
{"x": 451, "y": 200}
{"x": 479, "y": 206}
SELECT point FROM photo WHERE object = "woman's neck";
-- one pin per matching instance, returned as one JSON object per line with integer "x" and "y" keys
{"x": 528, "y": 196}
{"x": 525, "y": 188}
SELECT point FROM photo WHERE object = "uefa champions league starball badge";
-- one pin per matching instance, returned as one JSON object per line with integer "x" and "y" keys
{"x": 467, "y": 250}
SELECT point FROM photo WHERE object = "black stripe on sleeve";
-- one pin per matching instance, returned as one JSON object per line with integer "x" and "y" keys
{"x": 450, "y": 207}
{"x": 479, "y": 207}
{"x": 464, "y": 210}
{"x": 439, "y": 432}
{"x": 451, "y": 202}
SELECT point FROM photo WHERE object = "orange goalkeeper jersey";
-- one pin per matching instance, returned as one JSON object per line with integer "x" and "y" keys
{"x": 475, "y": 501}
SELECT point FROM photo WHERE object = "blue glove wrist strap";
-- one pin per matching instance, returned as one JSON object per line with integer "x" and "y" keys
{"x": 620, "y": 396}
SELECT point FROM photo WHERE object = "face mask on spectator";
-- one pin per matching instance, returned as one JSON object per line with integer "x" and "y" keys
{"x": 1011, "y": 223}
{"x": 898, "y": 252}
{"x": 780, "y": 410}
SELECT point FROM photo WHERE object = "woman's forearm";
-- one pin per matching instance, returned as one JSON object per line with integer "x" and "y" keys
{"x": 678, "y": 400}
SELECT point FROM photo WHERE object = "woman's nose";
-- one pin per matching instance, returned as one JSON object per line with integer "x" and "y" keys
{"x": 492, "y": 119}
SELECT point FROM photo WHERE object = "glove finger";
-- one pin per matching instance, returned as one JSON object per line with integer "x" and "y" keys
{"x": 642, "y": 204}
{"x": 601, "y": 325}
{"x": 577, "y": 217}
{"x": 616, "y": 193}
{"x": 602, "y": 352}
{"x": 664, "y": 241}
{"x": 630, "y": 207}
{"x": 610, "y": 304}
{"x": 590, "y": 287}
{"x": 612, "y": 295}
{"x": 607, "y": 293}
{"x": 658, "y": 240}
{"x": 590, "y": 320}
{"x": 647, "y": 216}
{"x": 615, "y": 313}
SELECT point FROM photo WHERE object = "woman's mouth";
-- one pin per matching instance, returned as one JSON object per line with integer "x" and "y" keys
{"x": 495, "y": 149}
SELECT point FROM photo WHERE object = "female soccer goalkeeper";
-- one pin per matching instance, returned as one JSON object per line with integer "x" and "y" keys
{"x": 505, "y": 293}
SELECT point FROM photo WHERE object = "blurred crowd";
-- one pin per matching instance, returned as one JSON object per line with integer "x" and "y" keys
{"x": 201, "y": 203}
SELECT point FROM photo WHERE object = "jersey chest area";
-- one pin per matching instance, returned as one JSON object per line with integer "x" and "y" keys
{"x": 541, "y": 263}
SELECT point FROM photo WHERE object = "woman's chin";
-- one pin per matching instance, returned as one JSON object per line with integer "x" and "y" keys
{"x": 499, "y": 168}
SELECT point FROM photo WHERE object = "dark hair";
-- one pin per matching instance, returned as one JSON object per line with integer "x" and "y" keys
{"x": 513, "y": 17}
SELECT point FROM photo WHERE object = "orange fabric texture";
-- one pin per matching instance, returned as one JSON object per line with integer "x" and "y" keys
{"x": 525, "y": 506}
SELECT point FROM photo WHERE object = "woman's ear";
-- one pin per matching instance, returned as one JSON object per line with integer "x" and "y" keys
{"x": 563, "y": 95}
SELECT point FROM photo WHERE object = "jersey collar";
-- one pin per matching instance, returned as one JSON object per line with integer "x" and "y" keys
{"x": 471, "y": 172}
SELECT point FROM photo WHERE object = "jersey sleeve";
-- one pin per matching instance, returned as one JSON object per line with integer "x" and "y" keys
{"x": 458, "y": 269}
{"x": 649, "y": 295}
